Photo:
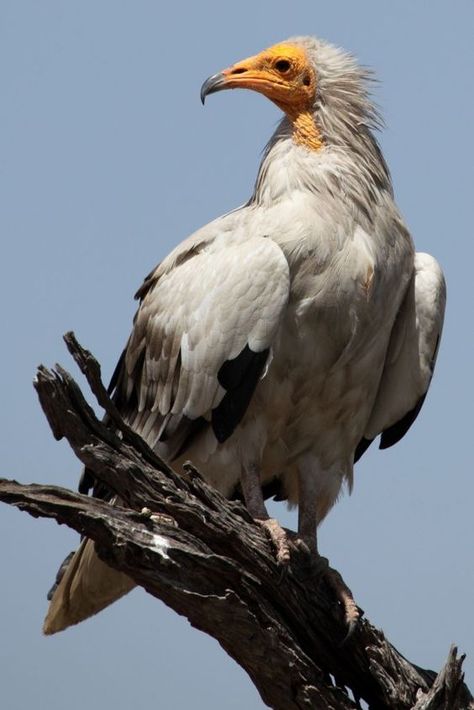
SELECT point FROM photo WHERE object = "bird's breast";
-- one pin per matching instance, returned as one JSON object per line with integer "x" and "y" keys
{"x": 329, "y": 351}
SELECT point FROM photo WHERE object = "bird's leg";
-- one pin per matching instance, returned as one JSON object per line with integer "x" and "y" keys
{"x": 307, "y": 531}
{"x": 252, "y": 490}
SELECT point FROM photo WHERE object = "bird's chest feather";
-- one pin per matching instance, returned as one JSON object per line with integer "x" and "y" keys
{"x": 329, "y": 350}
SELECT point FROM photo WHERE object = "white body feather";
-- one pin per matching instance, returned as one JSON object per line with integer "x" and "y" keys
{"x": 305, "y": 273}
{"x": 316, "y": 276}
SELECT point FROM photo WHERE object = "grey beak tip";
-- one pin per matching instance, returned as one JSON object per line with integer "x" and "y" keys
{"x": 211, "y": 85}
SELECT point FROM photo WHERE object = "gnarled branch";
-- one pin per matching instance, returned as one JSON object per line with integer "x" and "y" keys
{"x": 205, "y": 557}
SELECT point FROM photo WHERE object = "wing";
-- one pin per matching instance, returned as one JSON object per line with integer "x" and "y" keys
{"x": 201, "y": 339}
{"x": 411, "y": 356}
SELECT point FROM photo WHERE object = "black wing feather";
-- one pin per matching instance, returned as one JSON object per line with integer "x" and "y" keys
{"x": 362, "y": 447}
{"x": 394, "y": 433}
{"x": 239, "y": 378}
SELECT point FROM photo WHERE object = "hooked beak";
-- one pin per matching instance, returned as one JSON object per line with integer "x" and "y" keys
{"x": 287, "y": 86}
{"x": 217, "y": 82}
{"x": 243, "y": 75}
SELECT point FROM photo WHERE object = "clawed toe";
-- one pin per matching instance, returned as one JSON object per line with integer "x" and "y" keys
{"x": 352, "y": 613}
{"x": 283, "y": 541}
{"x": 320, "y": 568}
{"x": 279, "y": 538}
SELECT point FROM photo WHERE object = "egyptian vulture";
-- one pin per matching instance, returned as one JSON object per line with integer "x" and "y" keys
{"x": 274, "y": 344}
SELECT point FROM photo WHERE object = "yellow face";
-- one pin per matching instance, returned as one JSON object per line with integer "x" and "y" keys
{"x": 282, "y": 73}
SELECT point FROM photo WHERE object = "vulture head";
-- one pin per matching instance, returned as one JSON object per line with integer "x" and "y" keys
{"x": 284, "y": 73}
{"x": 322, "y": 90}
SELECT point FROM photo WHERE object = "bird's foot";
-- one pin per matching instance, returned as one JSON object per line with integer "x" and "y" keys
{"x": 283, "y": 541}
{"x": 343, "y": 594}
{"x": 279, "y": 538}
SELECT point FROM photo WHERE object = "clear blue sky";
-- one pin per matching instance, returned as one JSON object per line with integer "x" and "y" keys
{"x": 107, "y": 160}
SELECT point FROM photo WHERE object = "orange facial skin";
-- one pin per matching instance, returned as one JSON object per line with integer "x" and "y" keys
{"x": 284, "y": 74}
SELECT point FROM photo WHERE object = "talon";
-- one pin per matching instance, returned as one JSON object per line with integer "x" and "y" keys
{"x": 279, "y": 538}
{"x": 352, "y": 613}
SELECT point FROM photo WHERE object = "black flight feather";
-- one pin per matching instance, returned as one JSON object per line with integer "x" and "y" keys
{"x": 394, "y": 433}
{"x": 362, "y": 447}
{"x": 239, "y": 378}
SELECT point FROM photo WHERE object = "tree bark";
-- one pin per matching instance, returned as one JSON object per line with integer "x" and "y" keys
{"x": 205, "y": 558}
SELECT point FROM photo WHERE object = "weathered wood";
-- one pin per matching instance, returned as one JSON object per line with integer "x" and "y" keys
{"x": 448, "y": 689}
{"x": 205, "y": 557}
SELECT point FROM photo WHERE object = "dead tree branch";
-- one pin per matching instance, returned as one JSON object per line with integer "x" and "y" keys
{"x": 204, "y": 557}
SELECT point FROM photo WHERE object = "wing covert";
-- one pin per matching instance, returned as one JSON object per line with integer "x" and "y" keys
{"x": 201, "y": 339}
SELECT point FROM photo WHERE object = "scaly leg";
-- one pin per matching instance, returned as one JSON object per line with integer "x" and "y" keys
{"x": 307, "y": 530}
{"x": 252, "y": 490}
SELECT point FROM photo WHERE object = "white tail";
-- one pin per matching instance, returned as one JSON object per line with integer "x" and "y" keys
{"x": 87, "y": 586}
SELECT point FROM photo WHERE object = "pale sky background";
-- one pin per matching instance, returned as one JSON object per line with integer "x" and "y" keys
{"x": 107, "y": 160}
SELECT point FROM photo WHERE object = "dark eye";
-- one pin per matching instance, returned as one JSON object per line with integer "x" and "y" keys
{"x": 282, "y": 65}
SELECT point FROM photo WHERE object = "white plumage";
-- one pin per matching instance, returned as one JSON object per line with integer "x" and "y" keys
{"x": 275, "y": 343}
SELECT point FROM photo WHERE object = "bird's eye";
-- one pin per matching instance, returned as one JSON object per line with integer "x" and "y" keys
{"x": 282, "y": 65}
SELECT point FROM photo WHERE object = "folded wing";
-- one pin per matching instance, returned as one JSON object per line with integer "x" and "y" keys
{"x": 201, "y": 339}
{"x": 411, "y": 356}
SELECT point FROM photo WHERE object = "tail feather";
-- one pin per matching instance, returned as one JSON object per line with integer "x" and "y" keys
{"x": 86, "y": 586}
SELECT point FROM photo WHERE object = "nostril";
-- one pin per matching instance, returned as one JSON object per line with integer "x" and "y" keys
{"x": 238, "y": 70}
